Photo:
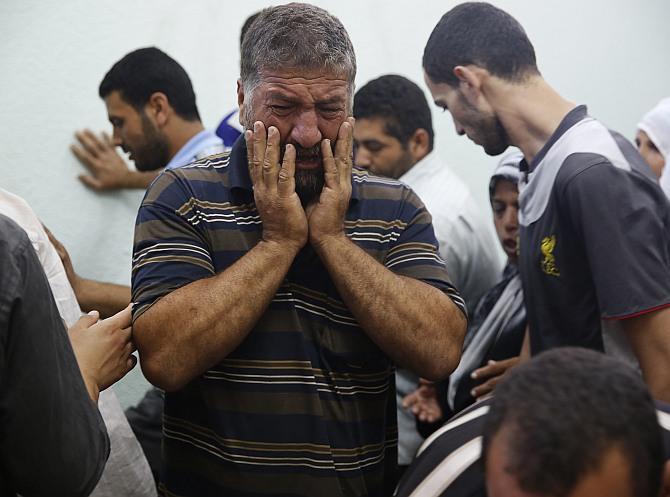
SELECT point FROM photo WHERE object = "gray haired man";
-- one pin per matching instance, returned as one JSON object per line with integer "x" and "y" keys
{"x": 274, "y": 287}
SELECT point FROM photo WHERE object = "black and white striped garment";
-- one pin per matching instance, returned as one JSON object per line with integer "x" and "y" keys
{"x": 448, "y": 463}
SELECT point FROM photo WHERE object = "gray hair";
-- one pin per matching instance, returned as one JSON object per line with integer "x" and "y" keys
{"x": 295, "y": 36}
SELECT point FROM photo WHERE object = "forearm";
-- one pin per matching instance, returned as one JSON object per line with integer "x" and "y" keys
{"x": 649, "y": 336}
{"x": 417, "y": 325}
{"x": 196, "y": 326}
{"x": 106, "y": 298}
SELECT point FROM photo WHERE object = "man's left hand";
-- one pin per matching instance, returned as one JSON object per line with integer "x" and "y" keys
{"x": 326, "y": 216}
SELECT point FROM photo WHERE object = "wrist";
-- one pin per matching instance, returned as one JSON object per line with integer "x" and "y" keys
{"x": 129, "y": 179}
{"x": 280, "y": 250}
{"x": 92, "y": 388}
{"x": 323, "y": 243}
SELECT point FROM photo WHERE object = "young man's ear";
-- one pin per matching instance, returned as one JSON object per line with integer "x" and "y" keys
{"x": 470, "y": 80}
{"x": 419, "y": 144}
{"x": 158, "y": 108}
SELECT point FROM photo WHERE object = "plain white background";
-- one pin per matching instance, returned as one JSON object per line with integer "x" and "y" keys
{"x": 610, "y": 54}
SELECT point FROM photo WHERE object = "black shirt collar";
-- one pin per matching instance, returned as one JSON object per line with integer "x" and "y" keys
{"x": 570, "y": 119}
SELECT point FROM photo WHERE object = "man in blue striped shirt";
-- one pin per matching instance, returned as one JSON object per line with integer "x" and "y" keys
{"x": 275, "y": 287}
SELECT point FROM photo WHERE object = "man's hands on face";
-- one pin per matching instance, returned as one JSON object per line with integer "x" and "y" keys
{"x": 103, "y": 349}
{"x": 326, "y": 216}
{"x": 108, "y": 170}
{"x": 284, "y": 220}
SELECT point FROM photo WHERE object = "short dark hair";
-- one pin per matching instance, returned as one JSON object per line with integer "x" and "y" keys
{"x": 398, "y": 101}
{"x": 478, "y": 33}
{"x": 564, "y": 410}
{"x": 145, "y": 71}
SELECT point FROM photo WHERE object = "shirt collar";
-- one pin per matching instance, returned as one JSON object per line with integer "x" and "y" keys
{"x": 415, "y": 171}
{"x": 239, "y": 167}
{"x": 189, "y": 152}
{"x": 239, "y": 170}
{"x": 570, "y": 119}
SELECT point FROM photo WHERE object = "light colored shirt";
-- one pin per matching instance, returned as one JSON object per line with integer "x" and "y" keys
{"x": 127, "y": 472}
{"x": 201, "y": 145}
{"x": 469, "y": 250}
{"x": 467, "y": 243}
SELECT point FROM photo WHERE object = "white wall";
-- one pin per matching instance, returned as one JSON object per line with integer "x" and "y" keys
{"x": 610, "y": 54}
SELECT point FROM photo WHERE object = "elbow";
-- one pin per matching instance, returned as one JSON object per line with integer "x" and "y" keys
{"x": 160, "y": 365}
{"x": 439, "y": 370}
{"x": 162, "y": 373}
{"x": 446, "y": 353}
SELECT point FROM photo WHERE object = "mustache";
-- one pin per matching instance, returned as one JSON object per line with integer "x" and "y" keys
{"x": 304, "y": 154}
{"x": 308, "y": 154}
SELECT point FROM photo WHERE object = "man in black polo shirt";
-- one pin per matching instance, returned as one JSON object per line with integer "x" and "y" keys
{"x": 595, "y": 252}
{"x": 529, "y": 451}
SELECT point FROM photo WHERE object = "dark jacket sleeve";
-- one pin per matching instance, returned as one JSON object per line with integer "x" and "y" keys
{"x": 52, "y": 437}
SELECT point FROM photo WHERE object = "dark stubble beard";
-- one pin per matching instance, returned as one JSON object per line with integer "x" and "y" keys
{"x": 490, "y": 131}
{"x": 308, "y": 182}
{"x": 154, "y": 152}
{"x": 494, "y": 140}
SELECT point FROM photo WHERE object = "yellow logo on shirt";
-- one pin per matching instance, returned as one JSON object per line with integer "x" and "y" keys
{"x": 549, "y": 261}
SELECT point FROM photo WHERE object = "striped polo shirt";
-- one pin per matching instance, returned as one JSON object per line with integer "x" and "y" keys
{"x": 305, "y": 405}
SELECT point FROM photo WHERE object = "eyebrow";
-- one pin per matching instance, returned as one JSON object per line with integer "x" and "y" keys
{"x": 330, "y": 101}
{"x": 280, "y": 96}
{"x": 275, "y": 95}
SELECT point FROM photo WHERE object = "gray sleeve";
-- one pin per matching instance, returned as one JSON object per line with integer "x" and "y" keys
{"x": 52, "y": 438}
{"x": 622, "y": 218}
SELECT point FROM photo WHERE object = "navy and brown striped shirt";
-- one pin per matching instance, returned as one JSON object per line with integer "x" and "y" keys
{"x": 305, "y": 405}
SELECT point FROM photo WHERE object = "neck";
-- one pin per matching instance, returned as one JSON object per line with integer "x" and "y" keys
{"x": 180, "y": 132}
{"x": 530, "y": 112}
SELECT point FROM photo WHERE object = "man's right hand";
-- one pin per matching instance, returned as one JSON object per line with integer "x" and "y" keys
{"x": 284, "y": 219}
{"x": 103, "y": 349}
{"x": 108, "y": 169}
{"x": 423, "y": 402}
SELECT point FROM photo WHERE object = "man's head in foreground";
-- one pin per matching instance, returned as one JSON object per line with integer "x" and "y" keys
{"x": 297, "y": 74}
{"x": 573, "y": 423}
{"x": 475, "y": 51}
{"x": 394, "y": 128}
{"x": 147, "y": 93}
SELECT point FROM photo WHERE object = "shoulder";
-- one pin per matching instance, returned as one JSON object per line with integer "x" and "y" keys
{"x": 369, "y": 188}
{"x": 13, "y": 238}
{"x": 14, "y": 247}
{"x": 450, "y": 455}
{"x": 202, "y": 178}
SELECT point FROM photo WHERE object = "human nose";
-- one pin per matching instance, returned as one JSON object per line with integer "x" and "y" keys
{"x": 306, "y": 132}
{"x": 460, "y": 130}
{"x": 362, "y": 157}
{"x": 511, "y": 220}
{"x": 116, "y": 138}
